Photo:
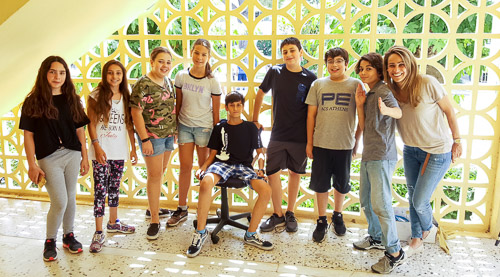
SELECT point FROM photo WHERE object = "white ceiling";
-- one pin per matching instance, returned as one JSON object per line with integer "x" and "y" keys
{"x": 67, "y": 28}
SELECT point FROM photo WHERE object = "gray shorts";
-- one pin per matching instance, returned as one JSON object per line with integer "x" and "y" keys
{"x": 286, "y": 155}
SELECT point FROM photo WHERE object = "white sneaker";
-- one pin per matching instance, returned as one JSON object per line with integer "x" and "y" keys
{"x": 410, "y": 251}
{"x": 196, "y": 244}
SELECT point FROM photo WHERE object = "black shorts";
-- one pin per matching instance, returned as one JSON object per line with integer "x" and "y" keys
{"x": 331, "y": 164}
{"x": 286, "y": 155}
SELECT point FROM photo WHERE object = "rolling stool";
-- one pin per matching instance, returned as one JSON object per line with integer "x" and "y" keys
{"x": 223, "y": 218}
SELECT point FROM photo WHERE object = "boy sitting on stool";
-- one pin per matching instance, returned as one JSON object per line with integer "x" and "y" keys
{"x": 231, "y": 146}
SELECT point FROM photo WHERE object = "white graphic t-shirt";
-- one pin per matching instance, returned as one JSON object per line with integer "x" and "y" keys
{"x": 113, "y": 138}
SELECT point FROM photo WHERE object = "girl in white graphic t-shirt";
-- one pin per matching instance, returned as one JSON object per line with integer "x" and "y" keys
{"x": 198, "y": 103}
{"x": 110, "y": 124}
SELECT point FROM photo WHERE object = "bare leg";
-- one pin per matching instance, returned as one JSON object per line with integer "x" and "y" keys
{"x": 415, "y": 243}
{"x": 264, "y": 192}
{"x": 205, "y": 199}
{"x": 339, "y": 200}
{"x": 293, "y": 189}
{"x": 154, "y": 166}
{"x": 275, "y": 182}
{"x": 202, "y": 153}
{"x": 322, "y": 201}
{"x": 98, "y": 223}
{"x": 186, "y": 151}
{"x": 113, "y": 214}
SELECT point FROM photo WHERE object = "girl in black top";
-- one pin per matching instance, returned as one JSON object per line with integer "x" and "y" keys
{"x": 53, "y": 121}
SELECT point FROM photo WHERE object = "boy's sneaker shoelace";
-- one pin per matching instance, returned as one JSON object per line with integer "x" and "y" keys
{"x": 338, "y": 225}
{"x": 153, "y": 231}
{"x": 274, "y": 222}
{"x": 177, "y": 217}
{"x": 368, "y": 243}
{"x": 197, "y": 243}
{"x": 257, "y": 241}
{"x": 163, "y": 213}
{"x": 319, "y": 233}
{"x": 291, "y": 222}
{"x": 388, "y": 263}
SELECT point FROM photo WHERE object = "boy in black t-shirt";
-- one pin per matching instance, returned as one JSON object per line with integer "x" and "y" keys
{"x": 290, "y": 84}
{"x": 231, "y": 153}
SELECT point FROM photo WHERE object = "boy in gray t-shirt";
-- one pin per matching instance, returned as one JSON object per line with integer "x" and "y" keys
{"x": 331, "y": 120}
{"x": 377, "y": 113}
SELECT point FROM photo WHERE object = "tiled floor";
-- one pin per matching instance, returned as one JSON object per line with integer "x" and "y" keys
{"x": 22, "y": 230}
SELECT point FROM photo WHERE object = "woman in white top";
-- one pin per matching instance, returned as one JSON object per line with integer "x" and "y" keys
{"x": 428, "y": 117}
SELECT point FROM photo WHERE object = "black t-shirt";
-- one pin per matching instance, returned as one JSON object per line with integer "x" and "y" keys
{"x": 51, "y": 134}
{"x": 290, "y": 90}
{"x": 238, "y": 141}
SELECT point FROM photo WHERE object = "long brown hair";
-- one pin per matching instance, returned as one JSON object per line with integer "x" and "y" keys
{"x": 205, "y": 43}
{"x": 102, "y": 105}
{"x": 39, "y": 102}
{"x": 412, "y": 83}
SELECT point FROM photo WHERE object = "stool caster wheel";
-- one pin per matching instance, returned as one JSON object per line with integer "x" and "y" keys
{"x": 215, "y": 239}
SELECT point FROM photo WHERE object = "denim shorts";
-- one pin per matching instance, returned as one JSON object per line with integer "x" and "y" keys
{"x": 199, "y": 135}
{"x": 160, "y": 145}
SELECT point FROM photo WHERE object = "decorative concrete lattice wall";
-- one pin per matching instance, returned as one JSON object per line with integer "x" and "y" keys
{"x": 453, "y": 40}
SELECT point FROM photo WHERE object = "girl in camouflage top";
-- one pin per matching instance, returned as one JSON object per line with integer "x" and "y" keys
{"x": 153, "y": 112}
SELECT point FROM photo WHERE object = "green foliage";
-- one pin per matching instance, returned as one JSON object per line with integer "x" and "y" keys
{"x": 96, "y": 71}
{"x": 153, "y": 29}
{"x": 265, "y": 46}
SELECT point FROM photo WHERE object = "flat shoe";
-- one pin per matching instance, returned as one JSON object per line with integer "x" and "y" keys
{"x": 410, "y": 251}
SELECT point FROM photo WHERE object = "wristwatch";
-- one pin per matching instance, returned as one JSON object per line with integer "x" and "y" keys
{"x": 457, "y": 140}
{"x": 145, "y": 140}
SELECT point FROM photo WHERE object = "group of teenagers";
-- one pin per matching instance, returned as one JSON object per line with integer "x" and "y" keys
{"x": 313, "y": 118}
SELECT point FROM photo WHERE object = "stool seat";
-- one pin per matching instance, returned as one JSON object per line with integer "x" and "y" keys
{"x": 223, "y": 218}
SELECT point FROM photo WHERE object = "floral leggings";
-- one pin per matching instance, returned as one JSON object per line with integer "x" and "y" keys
{"x": 107, "y": 179}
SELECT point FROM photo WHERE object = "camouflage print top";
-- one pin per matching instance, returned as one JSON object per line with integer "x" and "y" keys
{"x": 157, "y": 104}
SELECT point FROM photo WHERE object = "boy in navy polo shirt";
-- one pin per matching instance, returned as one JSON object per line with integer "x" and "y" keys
{"x": 290, "y": 83}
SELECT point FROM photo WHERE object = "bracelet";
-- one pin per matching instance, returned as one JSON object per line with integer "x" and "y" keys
{"x": 94, "y": 141}
{"x": 145, "y": 140}
{"x": 457, "y": 140}
{"x": 260, "y": 169}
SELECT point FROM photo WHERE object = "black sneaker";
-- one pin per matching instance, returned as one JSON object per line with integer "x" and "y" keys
{"x": 70, "y": 243}
{"x": 153, "y": 231}
{"x": 319, "y": 233}
{"x": 257, "y": 241}
{"x": 368, "y": 243}
{"x": 163, "y": 213}
{"x": 388, "y": 263}
{"x": 49, "y": 250}
{"x": 338, "y": 225}
{"x": 291, "y": 222}
{"x": 272, "y": 222}
{"x": 196, "y": 244}
{"x": 177, "y": 217}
